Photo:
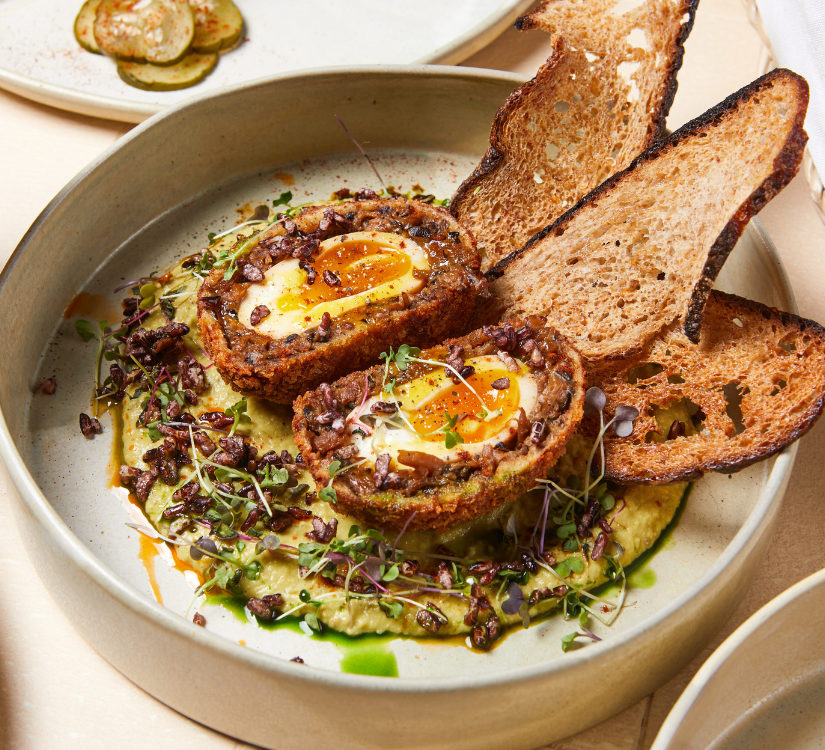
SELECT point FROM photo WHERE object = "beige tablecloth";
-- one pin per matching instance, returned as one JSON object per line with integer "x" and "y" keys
{"x": 55, "y": 691}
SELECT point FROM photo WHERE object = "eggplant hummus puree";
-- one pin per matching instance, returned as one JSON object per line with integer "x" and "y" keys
{"x": 313, "y": 298}
{"x": 220, "y": 478}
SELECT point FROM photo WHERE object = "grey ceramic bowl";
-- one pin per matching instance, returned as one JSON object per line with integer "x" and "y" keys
{"x": 764, "y": 687}
{"x": 152, "y": 198}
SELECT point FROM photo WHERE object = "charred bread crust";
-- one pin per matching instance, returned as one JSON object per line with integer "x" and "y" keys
{"x": 279, "y": 369}
{"x": 773, "y": 361}
{"x": 496, "y": 152}
{"x": 470, "y": 487}
{"x": 784, "y": 166}
{"x": 498, "y": 209}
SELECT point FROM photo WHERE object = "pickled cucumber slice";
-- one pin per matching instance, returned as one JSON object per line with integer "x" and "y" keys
{"x": 153, "y": 31}
{"x": 84, "y": 27}
{"x": 189, "y": 71}
{"x": 218, "y": 25}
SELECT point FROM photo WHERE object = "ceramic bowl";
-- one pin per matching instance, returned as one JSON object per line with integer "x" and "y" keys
{"x": 764, "y": 687}
{"x": 152, "y": 198}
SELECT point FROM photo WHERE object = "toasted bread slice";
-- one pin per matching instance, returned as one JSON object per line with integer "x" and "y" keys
{"x": 597, "y": 103}
{"x": 643, "y": 249}
{"x": 754, "y": 383}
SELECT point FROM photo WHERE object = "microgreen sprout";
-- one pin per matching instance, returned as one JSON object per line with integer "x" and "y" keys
{"x": 451, "y": 436}
{"x": 568, "y": 641}
{"x": 516, "y": 602}
{"x": 365, "y": 154}
{"x": 328, "y": 493}
{"x": 238, "y": 412}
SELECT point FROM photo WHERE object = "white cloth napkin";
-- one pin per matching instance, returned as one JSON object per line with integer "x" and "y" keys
{"x": 796, "y": 29}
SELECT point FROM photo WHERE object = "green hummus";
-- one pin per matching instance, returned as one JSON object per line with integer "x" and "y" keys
{"x": 635, "y": 516}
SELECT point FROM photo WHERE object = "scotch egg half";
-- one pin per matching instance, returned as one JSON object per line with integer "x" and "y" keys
{"x": 322, "y": 294}
{"x": 422, "y": 449}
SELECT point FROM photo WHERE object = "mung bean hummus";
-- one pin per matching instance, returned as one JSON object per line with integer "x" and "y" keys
{"x": 218, "y": 476}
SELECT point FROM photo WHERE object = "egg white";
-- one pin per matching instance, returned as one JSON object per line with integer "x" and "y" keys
{"x": 416, "y": 394}
{"x": 287, "y": 276}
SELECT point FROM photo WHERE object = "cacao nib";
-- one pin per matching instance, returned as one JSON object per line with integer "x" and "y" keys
{"x": 598, "y": 547}
{"x": 191, "y": 374}
{"x": 322, "y": 532}
{"x": 431, "y": 618}
{"x": 383, "y": 407}
{"x": 444, "y": 576}
{"x": 311, "y": 273}
{"x": 89, "y": 426}
{"x": 204, "y": 444}
{"x": 252, "y": 273}
{"x": 49, "y": 385}
{"x": 587, "y": 519}
{"x": 259, "y": 608}
{"x": 382, "y": 469}
{"x": 259, "y": 312}
{"x": 330, "y": 279}
{"x": 323, "y": 330}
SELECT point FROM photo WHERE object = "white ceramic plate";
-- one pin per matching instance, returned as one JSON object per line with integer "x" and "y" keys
{"x": 152, "y": 198}
{"x": 764, "y": 687}
{"x": 40, "y": 59}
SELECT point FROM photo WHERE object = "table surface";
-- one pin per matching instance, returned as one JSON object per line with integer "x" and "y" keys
{"x": 55, "y": 688}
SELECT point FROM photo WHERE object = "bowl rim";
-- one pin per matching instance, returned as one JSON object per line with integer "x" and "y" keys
{"x": 71, "y": 546}
{"x": 692, "y": 693}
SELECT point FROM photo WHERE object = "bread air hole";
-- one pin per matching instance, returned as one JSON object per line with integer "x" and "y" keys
{"x": 778, "y": 386}
{"x": 638, "y": 38}
{"x": 643, "y": 372}
{"x": 682, "y": 418}
{"x": 733, "y": 393}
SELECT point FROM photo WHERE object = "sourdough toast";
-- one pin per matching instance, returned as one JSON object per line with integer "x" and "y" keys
{"x": 643, "y": 250}
{"x": 752, "y": 384}
{"x": 600, "y": 100}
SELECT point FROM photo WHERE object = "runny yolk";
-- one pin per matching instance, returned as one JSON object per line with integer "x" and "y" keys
{"x": 461, "y": 400}
{"x": 360, "y": 265}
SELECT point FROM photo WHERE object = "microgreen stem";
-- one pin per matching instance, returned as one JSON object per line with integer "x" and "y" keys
{"x": 366, "y": 155}
{"x": 223, "y": 234}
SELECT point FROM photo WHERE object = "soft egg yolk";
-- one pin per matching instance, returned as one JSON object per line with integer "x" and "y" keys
{"x": 367, "y": 268}
{"x": 461, "y": 400}
{"x": 360, "y": 266}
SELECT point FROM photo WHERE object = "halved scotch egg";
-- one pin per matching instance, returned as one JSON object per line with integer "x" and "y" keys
{"x": 323, "y": 294}
{"x": 436, "y": 438}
